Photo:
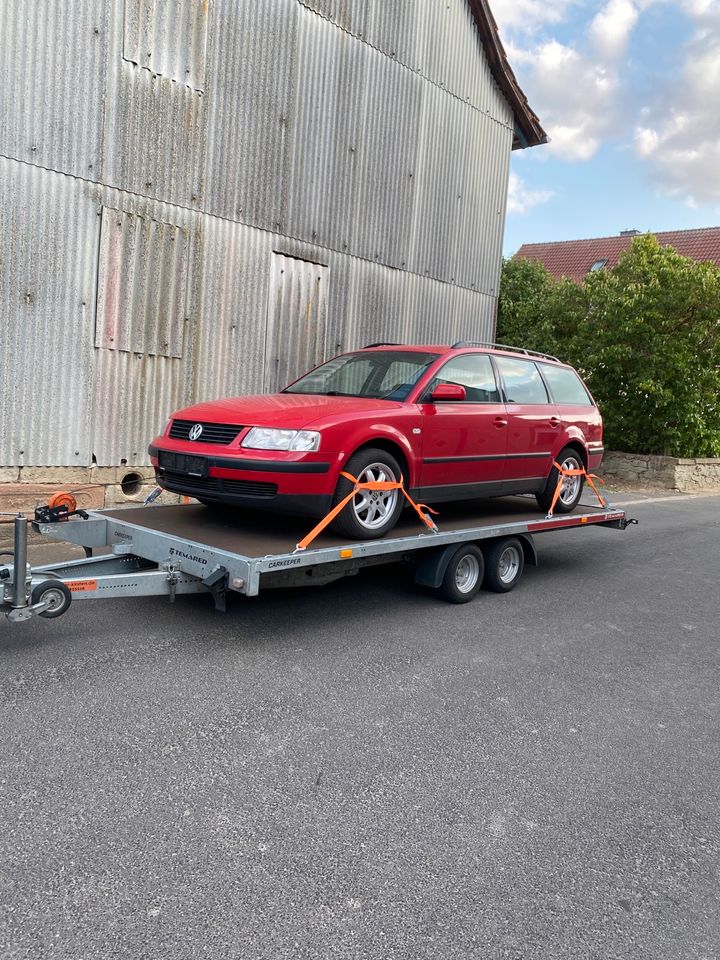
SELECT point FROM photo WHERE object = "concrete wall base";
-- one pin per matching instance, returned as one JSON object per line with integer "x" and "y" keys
{"x": 673, "y": 473}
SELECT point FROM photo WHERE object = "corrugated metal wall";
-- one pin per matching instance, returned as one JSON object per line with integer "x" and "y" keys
{"x": 157, "y": 157}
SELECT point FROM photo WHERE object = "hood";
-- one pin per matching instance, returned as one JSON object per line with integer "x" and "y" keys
{"x": 291, "y": 411}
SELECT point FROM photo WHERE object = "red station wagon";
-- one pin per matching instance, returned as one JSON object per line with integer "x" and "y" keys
{"x": 471, "y": 420}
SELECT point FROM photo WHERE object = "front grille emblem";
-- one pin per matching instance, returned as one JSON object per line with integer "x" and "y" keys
{"x": 195, "y": 431}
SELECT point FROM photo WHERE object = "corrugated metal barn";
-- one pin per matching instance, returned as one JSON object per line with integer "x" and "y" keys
{"x": 204, "y": 197}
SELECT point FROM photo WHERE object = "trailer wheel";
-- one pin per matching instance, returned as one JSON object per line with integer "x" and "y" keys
{"x": 57, "y": 595}
{"x": 463, "y": 575}
{"x": 504, "y": 563}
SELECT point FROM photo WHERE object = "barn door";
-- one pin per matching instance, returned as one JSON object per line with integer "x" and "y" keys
{"x": 297, "y": 320}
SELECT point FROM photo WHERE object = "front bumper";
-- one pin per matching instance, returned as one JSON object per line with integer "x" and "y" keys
{"x": 294, "y": 486}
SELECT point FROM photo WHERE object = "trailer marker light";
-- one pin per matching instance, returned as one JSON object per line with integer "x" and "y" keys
{"x": 345, "y": 554}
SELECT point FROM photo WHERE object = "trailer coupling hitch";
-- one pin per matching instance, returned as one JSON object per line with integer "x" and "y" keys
{"x": 626, "y": 522}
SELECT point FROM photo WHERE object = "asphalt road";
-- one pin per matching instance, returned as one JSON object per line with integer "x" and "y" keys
{"x": 362, "y": 771}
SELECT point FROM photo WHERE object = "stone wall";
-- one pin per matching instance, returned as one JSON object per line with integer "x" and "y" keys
{"x": 672, "y": 473}
{"x": 23, "y": 488}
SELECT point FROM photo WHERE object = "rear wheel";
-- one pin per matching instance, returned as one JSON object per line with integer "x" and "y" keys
{"x": 571, "y": 488}
{"x": 463, "y": 575}
{"x": 504, "y": 563}
{"x": 371, "y": 513}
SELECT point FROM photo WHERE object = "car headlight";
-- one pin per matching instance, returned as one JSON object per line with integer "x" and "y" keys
{"x": 264, "y": 438}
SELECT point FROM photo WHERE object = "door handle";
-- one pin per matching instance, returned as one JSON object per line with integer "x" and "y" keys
{"x": 554, "y": 421}
{"x": 500, "y": 422}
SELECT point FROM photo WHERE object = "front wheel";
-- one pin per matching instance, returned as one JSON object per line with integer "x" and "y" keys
{"x": 55, "y": 594}
{"x": 571, "y": 488}
{"x": 371, "y": 513}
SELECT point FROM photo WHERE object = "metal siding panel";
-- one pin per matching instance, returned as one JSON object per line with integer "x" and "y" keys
{"x": 251, "y": 104}
{"x": 49, "y": 231}
{"x": 141, "y": 284}
{"x": 154, "y": 129}
{"x": 230, "y": 319}
{"x": 168, "y": 37}
{"x": 53, "y": 62}
{"x": 387, "y": 159}
{"x": 323, "y": 177}
{"x": 296, "y": 337}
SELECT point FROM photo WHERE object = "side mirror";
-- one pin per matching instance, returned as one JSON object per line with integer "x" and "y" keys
{"x": 448, "y": 392}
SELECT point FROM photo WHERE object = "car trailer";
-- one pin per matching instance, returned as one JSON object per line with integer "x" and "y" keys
{"x": 190, "y": 548}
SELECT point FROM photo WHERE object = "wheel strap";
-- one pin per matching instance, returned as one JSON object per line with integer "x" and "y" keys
{"x": 580, "y": 472}
{"x": 370, "y": 485}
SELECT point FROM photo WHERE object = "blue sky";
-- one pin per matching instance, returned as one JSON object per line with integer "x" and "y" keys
{"x": 629, "y": 92}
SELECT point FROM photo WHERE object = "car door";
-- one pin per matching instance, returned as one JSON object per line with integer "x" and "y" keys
{"x": 463, "y": 442}
{"x": 534, "y": 426}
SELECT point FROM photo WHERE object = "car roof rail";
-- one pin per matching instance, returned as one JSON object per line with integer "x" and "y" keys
{"x": 382, "y": 343}
{"x": 504, "y": 346}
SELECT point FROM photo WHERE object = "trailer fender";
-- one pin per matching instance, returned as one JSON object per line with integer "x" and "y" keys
{"x": 431, "y": 567}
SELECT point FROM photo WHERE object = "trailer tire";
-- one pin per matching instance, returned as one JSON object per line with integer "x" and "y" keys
{"x": 57, "y": 593}
{"x": 504, "y": 564}
{"x": 463, "y": 575}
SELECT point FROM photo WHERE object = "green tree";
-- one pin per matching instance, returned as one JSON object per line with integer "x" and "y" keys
{"x": 644, "y": 335}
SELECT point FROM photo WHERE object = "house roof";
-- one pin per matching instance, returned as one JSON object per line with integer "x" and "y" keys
{"x": 574, "y": 258}
{"x": 528, "y": 130}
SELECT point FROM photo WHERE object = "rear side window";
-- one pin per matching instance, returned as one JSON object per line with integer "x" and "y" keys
{"x": 474, "y": 372}
{"x": 566, "y": 386}
{"x": 523, "y": 383}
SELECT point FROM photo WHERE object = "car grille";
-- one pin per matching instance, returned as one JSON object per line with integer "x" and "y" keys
{"x": 222, "y": 433}
{"x": 181, "y": 483}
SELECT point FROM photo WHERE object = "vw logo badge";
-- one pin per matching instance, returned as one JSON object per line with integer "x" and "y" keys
{"x": 195, "y": 431}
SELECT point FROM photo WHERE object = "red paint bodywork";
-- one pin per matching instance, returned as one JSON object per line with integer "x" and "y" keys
{"x": 467, "y": 443}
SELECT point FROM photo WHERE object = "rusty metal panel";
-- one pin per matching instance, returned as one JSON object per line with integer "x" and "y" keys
{"x": 168, "y": 37}
{"x": 142, "y": 275}
{"x": 296, "y": 337}
{"x": 53, "y": 65}
{"x": 250, "y": 106}
{"x": 49, "y": 230}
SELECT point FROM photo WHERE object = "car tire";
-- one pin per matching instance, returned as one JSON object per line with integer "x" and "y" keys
{"x": 463, "y": 575}
{"x": 504, "y": 564}
{"x": 368, "y": 516}
{"x": 572, "y": 487}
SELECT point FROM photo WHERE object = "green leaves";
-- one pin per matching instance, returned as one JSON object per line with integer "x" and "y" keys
{"x": 644, "y": 335}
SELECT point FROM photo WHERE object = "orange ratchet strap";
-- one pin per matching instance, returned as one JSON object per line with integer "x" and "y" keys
{"x": 372, "y": 485}
{"x": 582, "y": 472}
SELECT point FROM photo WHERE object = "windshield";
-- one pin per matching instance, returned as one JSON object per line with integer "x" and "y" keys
{"x": 380, "y": 374}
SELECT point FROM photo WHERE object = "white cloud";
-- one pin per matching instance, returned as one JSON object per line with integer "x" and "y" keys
{"x": 679, "y": 136}
{"x": 575, "y": 98}
{"x": 521, "y": 198}
{"x": 611, "y": 28}
{"x": 528, "y": 15}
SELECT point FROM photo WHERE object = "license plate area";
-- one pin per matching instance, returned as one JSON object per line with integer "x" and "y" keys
{"x": 183, "y": 463}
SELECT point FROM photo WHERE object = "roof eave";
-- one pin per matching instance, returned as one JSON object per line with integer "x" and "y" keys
{"x": 528, "y": 129}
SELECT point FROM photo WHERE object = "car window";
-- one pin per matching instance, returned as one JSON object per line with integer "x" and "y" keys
{"x": 387, "y": 374}
{"x": 566, "y": 386}
{"x": 474, "y": 371}
{"x": 523, "y": 383}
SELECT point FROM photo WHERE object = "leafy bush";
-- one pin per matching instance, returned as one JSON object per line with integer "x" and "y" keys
{"x": 645, "y": 336}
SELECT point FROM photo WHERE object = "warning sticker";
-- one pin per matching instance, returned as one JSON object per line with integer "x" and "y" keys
{"x": 80, "y": 586}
